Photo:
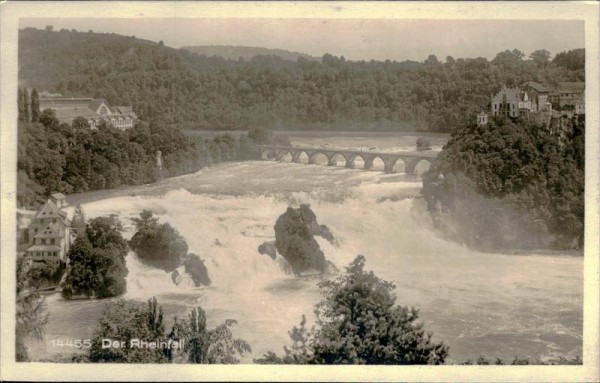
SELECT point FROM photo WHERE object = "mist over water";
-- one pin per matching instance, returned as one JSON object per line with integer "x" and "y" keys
{"x": 495, "y": 305}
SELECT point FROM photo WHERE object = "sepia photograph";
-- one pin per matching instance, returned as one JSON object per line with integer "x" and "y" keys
{"x": 281, "y": 186}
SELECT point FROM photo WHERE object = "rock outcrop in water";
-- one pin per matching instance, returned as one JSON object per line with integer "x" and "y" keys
{"x": 294, "y": 240}
{"x": 160, "y": 245}
{"x": 269, "y": 249}
{"x": 195, "y": 267}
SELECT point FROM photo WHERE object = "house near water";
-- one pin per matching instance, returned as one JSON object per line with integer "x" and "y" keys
{"x": 49, "y": 235}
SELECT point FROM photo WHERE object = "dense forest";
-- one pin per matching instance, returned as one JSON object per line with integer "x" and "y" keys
{"x": 511, "y": 184}
{"x": 70, "y": 158}
{"x": 176, "y": 87}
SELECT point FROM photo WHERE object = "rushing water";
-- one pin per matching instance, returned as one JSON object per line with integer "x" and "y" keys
{"x": 496, "y": 305}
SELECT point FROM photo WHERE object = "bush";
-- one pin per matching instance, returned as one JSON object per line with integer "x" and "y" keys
{"x": 423, "y": 144}
{"x": 359, "y": 323}
{"x": 123, "y": 321}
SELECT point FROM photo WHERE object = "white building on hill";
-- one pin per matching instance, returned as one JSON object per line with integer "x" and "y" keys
{"x": 93, "y": 110}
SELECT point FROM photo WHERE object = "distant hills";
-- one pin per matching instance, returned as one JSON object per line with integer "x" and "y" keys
{"x": 275, "y": 88}
{"x": 230, "y": 52}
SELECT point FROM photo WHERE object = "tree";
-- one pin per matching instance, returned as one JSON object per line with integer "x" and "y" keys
{"x": 105, "y": 232}
{"x": 78, "y": 221}
{"x": 21, "y": 104}
{"x": 97, "y": 261}
{"x": 541, "y": 57}
{"x": 259, "y": 135}
{"x": 26, "y": 111}
{"x": 123, "y": 321}
{"x": 509, "y": 59}
{"x": 31, "y": 314}
{"x": 432, "y": 60}
{"x": 572, "y": 59}
{"x": 35, "y": 106}
{"x": 359, "y": 323}
{"x": 205, "y": 346}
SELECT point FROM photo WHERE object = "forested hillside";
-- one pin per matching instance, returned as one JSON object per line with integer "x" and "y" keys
{"x": 176, "y": 87}
{"x": 230, "y": 52}
{"x": 511, "y": 185}
{"x": 71, "y": 158}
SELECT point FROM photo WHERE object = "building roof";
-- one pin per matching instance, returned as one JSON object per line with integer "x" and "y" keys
{"x": 44, "y": 248}
{"x": 56, "y": 103}
{"x": 58, "y": 196}
{"x": 536, "y": 86}
{"x": 67, "y": 109}
{"x": 571, "y": 87}
{"x": 50, "y": 210}
{"x": 96, "y": 103}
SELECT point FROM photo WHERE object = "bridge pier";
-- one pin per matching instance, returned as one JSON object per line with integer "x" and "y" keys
{"x": 296, "y": 156}
{"x": 388, "y": 166}
{"x": 369, "y": 163}
{"x": 388, "y": 163}
{"x": 350, "y": 163}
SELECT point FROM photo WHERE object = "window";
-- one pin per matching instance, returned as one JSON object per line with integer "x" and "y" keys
{"x": 52, "y": 241}
{"x": 43, "y": 241}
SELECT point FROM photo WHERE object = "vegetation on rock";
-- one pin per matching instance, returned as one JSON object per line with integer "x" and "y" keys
{"x": 511, "y": 185}
{"x": 158, "y": 244}
{"x": 294, "y": 239}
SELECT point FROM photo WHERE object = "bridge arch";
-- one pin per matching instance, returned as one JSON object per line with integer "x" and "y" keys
{"x": 399, "y": 165}
{"x": 268, "y": 154}
{"x": 318, "y": 158}
{"x": 335, "y": 158}
{"x": 376, "y": 163}
{"x": 300, "y": 156}
{"x": 358, "y": 160}
{"x": 422, "y": 165}
{"x": 285, "y": 155}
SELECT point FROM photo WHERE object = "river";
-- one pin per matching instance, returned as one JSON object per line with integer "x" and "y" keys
{"x": 495, "y": 305}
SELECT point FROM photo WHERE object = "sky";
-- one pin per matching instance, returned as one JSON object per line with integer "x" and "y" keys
{"x": 355, "y": 39}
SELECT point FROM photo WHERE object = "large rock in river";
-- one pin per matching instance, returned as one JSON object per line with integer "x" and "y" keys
{"x": 294, "y": 240}
{"x": 195, "y": 267}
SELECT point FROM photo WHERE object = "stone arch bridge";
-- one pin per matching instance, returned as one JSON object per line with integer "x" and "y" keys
{"x": 410, "y": 159}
